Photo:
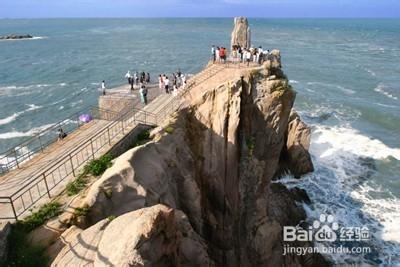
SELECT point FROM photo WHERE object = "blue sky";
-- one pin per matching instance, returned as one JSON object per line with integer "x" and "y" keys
{"x": 198, "y": 8}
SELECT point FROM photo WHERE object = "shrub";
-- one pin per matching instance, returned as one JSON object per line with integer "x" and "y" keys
{"x": 81, "y": 211}
{"x": 111, "y": 217}
{"x": 77, "y": 185}
{"x": 97, "y": 167}
{"x": 21, "y": 252}
{"x": 37, "y": 218}
{"x": 250, "y": 142}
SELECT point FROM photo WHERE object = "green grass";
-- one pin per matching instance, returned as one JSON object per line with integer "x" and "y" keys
{"x": 76, "y": 186}
{"x": 82, "y": 211}
{"x": 21, "y": 252}
{"x": 39, "y": 217}
{"x": 95, "y": 167}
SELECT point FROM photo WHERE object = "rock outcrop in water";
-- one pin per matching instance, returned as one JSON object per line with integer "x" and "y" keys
{"x": 16, "y": 37}
{"x": 241, "y": 34}
{"x": 212, "y": 172}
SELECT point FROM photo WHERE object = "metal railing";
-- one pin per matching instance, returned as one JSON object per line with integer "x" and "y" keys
{"x": 44, "y": 183}
{"x": 16, "y": 156}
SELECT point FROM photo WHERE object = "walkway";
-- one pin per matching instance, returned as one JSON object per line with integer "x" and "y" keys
{"x": 47, "y": 173}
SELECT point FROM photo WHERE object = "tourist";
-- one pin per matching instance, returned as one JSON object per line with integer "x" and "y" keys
{"x": 260, "y": 55}
{"x": 248, "y": 57}
{"x": 222, "y": 54}
{"x": 136, "y": 77}
{"x": 160, "y": 82}
{"x": 174, "y": 80}
{"x": 103, "y": 87}
{"x": 217, "y": 54}
{"x": 128, "y": 76}
{"x": 183, "y": 82}
{"x": 166, "y": 84}
{"x": 147, "y": 77}
{"x": 213, "y": 53}
{"x": 61, "y": 134}
{"x": 143, "y": 94}
{"x": 179, "y": 73}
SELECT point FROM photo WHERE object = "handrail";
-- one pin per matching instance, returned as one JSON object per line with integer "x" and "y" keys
{"x": 17, "y": 152}
{"x": 42, "y": 183}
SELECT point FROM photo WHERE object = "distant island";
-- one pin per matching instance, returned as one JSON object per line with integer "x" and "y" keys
{"x": 16, "y": 37}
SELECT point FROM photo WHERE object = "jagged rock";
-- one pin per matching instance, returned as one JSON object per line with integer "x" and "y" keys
{"x": 154, "y": 236}
{"x": 241, "y": 34}
{"x": 216, "y": 166}
{"x": 298, "y": 143}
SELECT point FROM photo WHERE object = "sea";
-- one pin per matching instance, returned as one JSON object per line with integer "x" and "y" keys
{"x": 346, "y": 73}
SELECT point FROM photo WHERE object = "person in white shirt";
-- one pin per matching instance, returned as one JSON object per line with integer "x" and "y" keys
{"x": 217, "y": 54}
{"x": 103, "y": 87}
{"x": 213, "y": 53}
{"x": 166, "y": 84}
{"x": 160, "y": 83}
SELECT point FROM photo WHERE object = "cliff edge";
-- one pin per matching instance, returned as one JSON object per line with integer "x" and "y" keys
{"x": 202, "y": 192}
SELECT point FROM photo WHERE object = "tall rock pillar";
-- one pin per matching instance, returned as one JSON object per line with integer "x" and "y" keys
{"x": 241, "y": 34}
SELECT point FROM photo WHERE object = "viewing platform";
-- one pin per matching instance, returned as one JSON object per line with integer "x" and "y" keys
{"x": 33, "y": 178}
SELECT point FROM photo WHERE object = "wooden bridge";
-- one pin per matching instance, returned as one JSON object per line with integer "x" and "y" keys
{"x": 32, "y": 179}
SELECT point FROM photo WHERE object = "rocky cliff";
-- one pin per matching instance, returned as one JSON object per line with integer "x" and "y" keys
{"x": 241, "y": 34}
{"x": 212, "y": 167}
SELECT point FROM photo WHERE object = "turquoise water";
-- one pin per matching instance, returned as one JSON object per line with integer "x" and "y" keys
{"x": 346, "y": 73}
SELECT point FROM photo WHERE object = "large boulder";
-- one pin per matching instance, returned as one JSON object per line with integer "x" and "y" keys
{"x": 241, "y": 34}
{"x": 298, "y": 143}
{"x": 154, "y": 236}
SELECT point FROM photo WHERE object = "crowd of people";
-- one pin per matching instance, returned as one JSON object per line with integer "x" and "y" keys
{"x": 178, "y": 80}
{"x": 137, "y": 78}
{"x": 239, "y": 54}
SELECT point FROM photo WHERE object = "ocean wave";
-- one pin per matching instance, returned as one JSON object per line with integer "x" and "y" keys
{"x": 14, "y": 116}
{"x": 25, "y": 39}
{"x": 343, "y": 89}
{"x": 17, "y": 134}
{"x": 341, "y": 139}
{"x": 382, "y": 89}
{"x": 342, "y": 185}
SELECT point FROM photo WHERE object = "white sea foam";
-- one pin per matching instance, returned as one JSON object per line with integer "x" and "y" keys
{"x": 336, "y": 86}
{"x": 382, "y": 89}
{"x": 337, "y": 187}
{"x": 293, "y": 81}
{"x": 14, "y": 116}
{"x": 17, "y": 134}
{"x": 340, "y": 139}
{"x": 25, "y": 39}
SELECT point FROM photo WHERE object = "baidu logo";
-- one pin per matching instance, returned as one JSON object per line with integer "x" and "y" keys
{"x": 325, "y": 229}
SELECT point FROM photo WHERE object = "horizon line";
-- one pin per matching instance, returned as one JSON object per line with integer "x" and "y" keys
{"x": 199, "y": 17}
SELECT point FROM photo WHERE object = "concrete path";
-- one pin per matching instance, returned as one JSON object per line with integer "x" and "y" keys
{"x": 47, "y": 173}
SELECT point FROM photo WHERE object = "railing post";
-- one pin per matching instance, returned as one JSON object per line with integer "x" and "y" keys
{"x": 109, "y": 139}
{"x": 91, "y": 144}
{"x": 47, "y": 186}
{"x": 13, "y": 209}
{"x": 72, "y": 165}
{"x": 16, "y": 158}
{"x": 40, "y": 142}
